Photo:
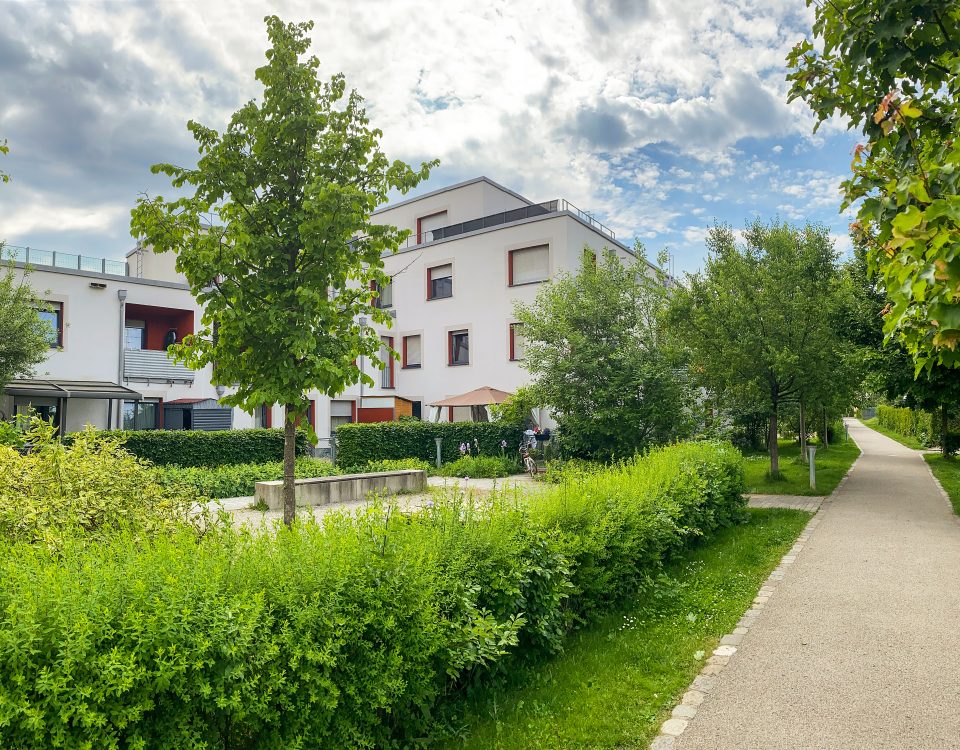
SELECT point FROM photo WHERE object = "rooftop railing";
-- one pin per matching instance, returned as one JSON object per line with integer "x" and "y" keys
{"x": 55, "y": 259}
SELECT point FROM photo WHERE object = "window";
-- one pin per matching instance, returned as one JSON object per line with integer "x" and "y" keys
{"x": 341, "y": 412}
{"x": 141, "y": 415}
{"x": 412, "y": 351}
{"x": 386, "y": 375}
{"x": 459, "y": 344}
{"x": 263, "y": 416}
{"x": 529, "y": 265}
{"x": 53, "y": 316}
{"x": 385, "y": 297}
{"x": 312, "y": 414}
{"x": 134, "y": 334}
{"x": 440, "y": 282}
{"x": 426, "y": 225}
{"x": 518, "y": 345}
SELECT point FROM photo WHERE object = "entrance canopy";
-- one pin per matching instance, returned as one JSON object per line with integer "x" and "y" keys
{"x": 71, "y": 389}
{"x": 478, "y": 397}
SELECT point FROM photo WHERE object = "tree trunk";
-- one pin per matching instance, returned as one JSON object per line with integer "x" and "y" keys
{"x": 826, "y": 430}
{"x": 774, "y": 447}
{"x": 803, "y": 434}
{"x": 289, "y": 457}
{"x": 944, "y": 427}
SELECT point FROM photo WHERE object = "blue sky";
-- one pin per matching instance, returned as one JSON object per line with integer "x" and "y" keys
{"x": 658, "y": 116}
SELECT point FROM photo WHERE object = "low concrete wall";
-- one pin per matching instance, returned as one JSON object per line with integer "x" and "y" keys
{"x": 344, "y": 488}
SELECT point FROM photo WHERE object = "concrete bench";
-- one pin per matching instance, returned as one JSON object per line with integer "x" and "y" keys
{"x": 343, "y": 488}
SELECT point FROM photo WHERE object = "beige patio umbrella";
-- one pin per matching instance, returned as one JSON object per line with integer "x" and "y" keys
{"x": 478, "y": 400}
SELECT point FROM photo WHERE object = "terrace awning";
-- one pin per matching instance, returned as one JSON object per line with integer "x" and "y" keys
{"x": 48, "y": 388}
{"x": 478, "y": 397}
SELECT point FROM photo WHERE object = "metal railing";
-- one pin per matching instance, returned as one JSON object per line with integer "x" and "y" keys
{"x": 55, "y": 259}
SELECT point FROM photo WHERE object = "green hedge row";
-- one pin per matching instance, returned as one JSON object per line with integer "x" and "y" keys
{"x": 358, "y": 444}
{"x": 355, "y": 632}
{"x": 908, "y": 422}
{"x": 207, "y": 448}
{"x": 239, "y": 480}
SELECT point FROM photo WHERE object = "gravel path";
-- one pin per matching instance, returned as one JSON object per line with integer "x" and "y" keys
{"x": 859, "y": 647}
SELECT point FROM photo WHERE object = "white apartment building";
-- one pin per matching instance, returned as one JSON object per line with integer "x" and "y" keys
{"x": 475, "y": 249}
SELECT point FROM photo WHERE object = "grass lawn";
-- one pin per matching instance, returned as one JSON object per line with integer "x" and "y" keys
{"x": 832, "y": 464}
{"x": 948, "y": 472}
{"x": 908, "y": 441}
{"x": 617, "y": 681}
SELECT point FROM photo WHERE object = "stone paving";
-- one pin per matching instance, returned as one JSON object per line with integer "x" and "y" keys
{"x": 811, "y": 504}
{"x": 852, "y": 643}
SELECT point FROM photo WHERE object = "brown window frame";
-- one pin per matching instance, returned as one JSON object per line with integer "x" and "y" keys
{"x": 430, "y": 271}
{"x": 510, "y": 265}
{"x": 450, "y": 335}
{"x": 406, "y": 365}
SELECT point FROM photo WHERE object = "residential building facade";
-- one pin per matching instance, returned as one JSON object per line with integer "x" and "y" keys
{"x": 476, "y": 248}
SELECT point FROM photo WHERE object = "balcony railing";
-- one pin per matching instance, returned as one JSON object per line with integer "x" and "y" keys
{"x": 153, "y": 365}
{"x": 55, "y": 259}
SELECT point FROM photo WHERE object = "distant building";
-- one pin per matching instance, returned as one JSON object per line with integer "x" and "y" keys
{"x": 475, "y": 248}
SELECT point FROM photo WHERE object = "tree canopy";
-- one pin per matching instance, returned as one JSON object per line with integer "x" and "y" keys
{"x": 595, "y": 346}
{"x": 276, "y": 239}
{"x": 890, "y": 68}
{"x": 24, "y": 336}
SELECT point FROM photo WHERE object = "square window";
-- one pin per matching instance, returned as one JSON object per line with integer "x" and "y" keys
{"x": 518, "y": 344}
{"x": 384, "y": 298}
{"x": 440, "y": 282}
{"x": 428, "y": 227}
{"x": 341, "y": 412}
{"x": 459, "y": 345}
{"x": 529, "y": 265}
{"x": 53, "y": 316}
{"x": 134, "y": 334}
{"x": 412, "y": 351}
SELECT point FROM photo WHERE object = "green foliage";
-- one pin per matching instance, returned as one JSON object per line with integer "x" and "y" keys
{"x": 359, "y": 444}
{"x": 760, "y": 322}
{"x": 518, "y": 408}
{"x": 205, "y": 448}
{"x": 392, "y": 464}
{"x": 570, "y": 469}
{"x": 239, "y": 480}
{"x": 597, "y": 350}
{"x": 89, "y": 488}
{"x": 889, "y": 67}
{"x": 351, "y": 632}
{"x": 25, "y": 336}
{"x": 284, "y": 273}
{"x": 4, "y": 149}
{"x": 909, "y": 422}
{"x": 476, "y": 467}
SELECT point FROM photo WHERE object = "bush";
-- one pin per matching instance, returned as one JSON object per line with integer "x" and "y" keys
{"x": 476, "y": 467}
{"x": 359, "y": 444}
{"x": 351, "y": 632}
{"x": 206, "y": 448}
{"x": 90, "y": 488}
{"x": 239, "y": 480}
{"x": 392, "y": 464}
{"x": 908, "y": 422}
{"x": 570, "y": 469}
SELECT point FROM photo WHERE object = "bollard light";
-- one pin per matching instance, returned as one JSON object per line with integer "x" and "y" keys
{"x": 811, "y": 452}
{"x": 438, "y": 441}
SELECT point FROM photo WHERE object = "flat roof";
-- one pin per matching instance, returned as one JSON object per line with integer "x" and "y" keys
{"x": 448, "y": 188}
{"x": 56, "y": 388}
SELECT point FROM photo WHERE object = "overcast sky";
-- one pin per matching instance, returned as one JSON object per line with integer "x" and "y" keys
{"x": 658, "y": 116}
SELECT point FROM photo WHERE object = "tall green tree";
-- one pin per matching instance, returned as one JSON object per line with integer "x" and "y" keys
{"x": 891, "y": 68}
{"x": 596, "y": 347}
{"x": 276, "y": 239}
{"x": 757, "y": 319}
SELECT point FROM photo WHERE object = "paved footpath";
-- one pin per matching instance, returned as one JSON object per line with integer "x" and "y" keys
{"x": 859, "y": 646}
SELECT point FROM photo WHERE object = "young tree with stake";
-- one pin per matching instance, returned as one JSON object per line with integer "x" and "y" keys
{"x": 276, "y": 240}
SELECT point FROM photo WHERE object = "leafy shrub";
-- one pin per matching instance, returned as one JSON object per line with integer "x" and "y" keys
{"x": 239, "y": 480}
{"x": 359, "y": 444}
{"x": 206, "y": 448}
{"x": 477, "y": 467}
{"x": 570, "y": 469}
{"x": 908, "y": 422}
{"x": 90, "y": 487}
{"x": 392, "y": 464}
{"x": 350, "y": 632}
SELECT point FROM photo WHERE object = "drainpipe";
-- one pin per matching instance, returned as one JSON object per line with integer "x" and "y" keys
{"x": 122, "y": 296}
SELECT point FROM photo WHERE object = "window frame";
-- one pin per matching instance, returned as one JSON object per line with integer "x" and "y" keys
{"x": 56, "y": 309}
{"x": 510, "y": 254}
{"x": 430, "y": 280}
{"x": 388, "y": 373}
{"x": 404, "y": 362}
{"x": 420, "y": 224}
{"x": 450, "y": 346}
{"x": 376, "y": 299}
{"x": 143, "y": 334}
{"x": 513, "y": 342}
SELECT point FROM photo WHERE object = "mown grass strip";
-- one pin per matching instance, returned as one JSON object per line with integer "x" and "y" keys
{"x": 947, "y": 470}
{"x": 617, "y": 681}
{"x": 906, "y": 440}
{"x": 832, "y": 464}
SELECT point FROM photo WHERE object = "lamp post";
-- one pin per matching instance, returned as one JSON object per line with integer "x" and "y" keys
{"x": 438, "y": 441}
{"x": 363, "y": 325}
{"x": 811, "y": 451}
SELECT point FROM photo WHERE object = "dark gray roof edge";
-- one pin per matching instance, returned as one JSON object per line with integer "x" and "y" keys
{"x": 37, "y": 268}
{"x": 448, "y": 188}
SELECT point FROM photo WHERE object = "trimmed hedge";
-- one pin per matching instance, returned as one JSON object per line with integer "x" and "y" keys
{"x": 350, "y": 632}
{"x": 908, "y": 422}
{"x": 359, "y": 444}
{"x": 206, "y": 447}
{"x": 239, "y": 480}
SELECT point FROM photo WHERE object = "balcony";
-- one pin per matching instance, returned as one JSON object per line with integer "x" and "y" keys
{"x": 72, "y": 261}
{"x": 154, "y": 366}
